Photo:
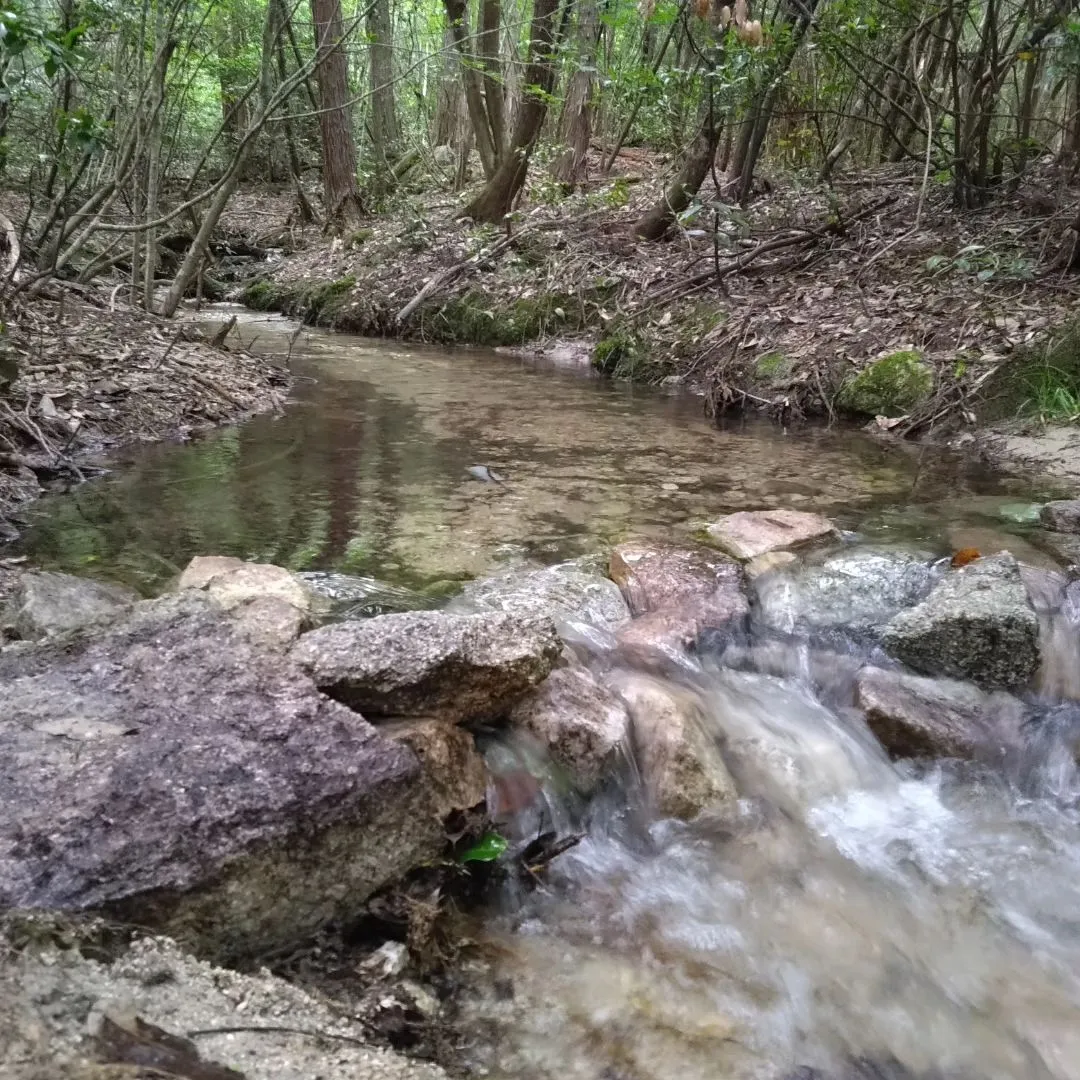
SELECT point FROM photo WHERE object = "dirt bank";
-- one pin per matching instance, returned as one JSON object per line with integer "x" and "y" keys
{"x": 782, "y": 306}
{"x": 91, "y": 373}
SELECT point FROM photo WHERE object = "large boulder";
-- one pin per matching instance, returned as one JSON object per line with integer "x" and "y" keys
{"x": 571, "y": 592}
{"x": 750, "y": 533}
{"x": 653, "y": 576}
{"x": 581, "y": 723}
{"x": 976, "y": 624}
{"x": 431, "y": 663}
{"x": 681, "y": 767}
{"x": 859, "y": 590}
{"x": 919, "y": 717}
{"x": 44, "y": 604}
{"x": 168, "y": 772}
{"x": 1062, "y": 515}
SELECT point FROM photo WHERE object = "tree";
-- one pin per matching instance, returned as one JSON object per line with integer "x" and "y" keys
{"x": 385, "y": 132}
{"x": 340, "y": 190}
{"x": 577, "y": 118}
{"x": 496, "y": 199}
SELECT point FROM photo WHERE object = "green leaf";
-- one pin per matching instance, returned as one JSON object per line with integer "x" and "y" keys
{"x": 487, "y": 849}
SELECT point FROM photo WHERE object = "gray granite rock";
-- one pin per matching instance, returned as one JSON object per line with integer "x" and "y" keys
{"x": 431, "y": 663}
{"x": 977, "y": 624}
{"x": 45, "y": 604}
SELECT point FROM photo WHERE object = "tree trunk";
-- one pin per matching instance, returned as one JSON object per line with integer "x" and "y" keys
{"x": 655, "y": 223}
{"x": 340, "y": 191}
{"x": 577, "y": 121}
{"x": 470, "y": 78}
{"x": 497, "y": 198}
{"x": 494, "y": 97}
{"x": 385, "y": 132}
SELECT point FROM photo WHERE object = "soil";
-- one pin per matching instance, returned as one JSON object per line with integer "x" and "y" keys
{"x": 94, "y": 373}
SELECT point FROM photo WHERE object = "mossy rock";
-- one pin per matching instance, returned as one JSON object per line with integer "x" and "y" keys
{"x": 262, "y": 295}
{"x": 621, "y": 355}
{"x": 774, "y": 367}
{"x": 891, "y": 386}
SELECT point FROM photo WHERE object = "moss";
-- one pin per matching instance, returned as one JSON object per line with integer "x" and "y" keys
{"x": 890, "y": 386}
{"x": 319, "y": 303}
{"x": 472, "y": 319}
{"x": 773, "y": 367}
{"x": 622, "y": 354}
{"x": 1040, "y": 380}
{"x": 262, "y": 295}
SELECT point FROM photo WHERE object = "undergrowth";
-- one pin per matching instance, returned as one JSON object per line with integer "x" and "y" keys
{"x": 1040, "y": 381}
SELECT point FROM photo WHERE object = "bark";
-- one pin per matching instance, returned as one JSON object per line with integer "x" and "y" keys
{"x": 577, "y": 122}
{"x": 496, "y": 200}
{"x": 451, "y": 125}
{"x": 470, "y": 78}
{"x": 695, "y": 167}
{"x": 494, "y": 98}
{"x": 340, "y": 189}
{"x": 385, "y": 132}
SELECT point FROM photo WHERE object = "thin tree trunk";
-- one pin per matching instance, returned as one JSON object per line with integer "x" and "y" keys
{"x": 577, "y": 122}
{"x": 335, "y": 122}
{"x": 496, "y": 200}
{"x": 494, "y": 91}
{"x": 470, "y": 78}
{"x": 385, "y": 133}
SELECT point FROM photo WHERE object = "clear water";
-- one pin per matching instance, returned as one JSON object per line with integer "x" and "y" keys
{"x": 852, "y": 917}
{"x": 366, "y": 472}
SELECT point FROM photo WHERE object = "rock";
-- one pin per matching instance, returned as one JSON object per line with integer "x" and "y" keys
{"x": 681, "y": 768}
{"x": 169, "y": 773}
{"x": 231, "y": 582}
{"x": 1062, "y": 515}
{"x": 977, "y": 624}
{"x": 656, "y": 576}
{"x": 770, "y": 562}
{"x": 457, "y": 779}
{"x": 1063, "y": 547}
{"x": 750, "y": 533}
{"x": 920, "y": 717}
{"x": 270, "y": 623}
{"x": 431, "y": 663}
{"x": 569, "y": 592}
{"x": 831, "y": 673}
{"x": 858, "y": 590}
{"x": 582, "y": 724}
{"x": 50, "y": 997}
{"x": 890, "y": 386}
{"x": 44, "y": 604}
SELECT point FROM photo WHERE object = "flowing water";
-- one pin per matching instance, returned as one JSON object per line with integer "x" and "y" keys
{"x": 851, "y": 916}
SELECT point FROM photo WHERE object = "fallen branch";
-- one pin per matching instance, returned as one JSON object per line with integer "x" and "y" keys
{"x": 442, "y": 280}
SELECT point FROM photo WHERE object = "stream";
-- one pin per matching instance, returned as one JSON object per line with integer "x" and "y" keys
{"x": 853, "y": 917}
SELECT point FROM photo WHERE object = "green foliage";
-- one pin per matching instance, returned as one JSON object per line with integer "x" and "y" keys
{"x": 471, "y": 319}
{"x": 622, "y": 354}
{"x": 1040, "y": 381}
{"x": 262, "y": 295}
{"x": 890, "y": 386}
{"x": 487, "y": 849}
{"x": 985, "y": 264}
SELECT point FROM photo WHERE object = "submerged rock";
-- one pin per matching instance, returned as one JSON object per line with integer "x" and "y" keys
{"x": 681, "y": 767}
{"x": 750, "y": 533}
{"x": 569, "y": 592}
{"x": 363, "y": 596}
{"x": 580, "y": 722}
{"x": 919, "y": 717}
{"x": 431, "y": 663}
{"x": 170, "y": 773}
{"x": 44, "y": 604}
{"x": 51, "y": 996}
{"x": 1062, "y": 515}
{"x": 858, "y": 590}
{"x": 977, "y": 624}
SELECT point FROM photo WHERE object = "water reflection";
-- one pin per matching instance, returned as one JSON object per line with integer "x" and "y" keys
{"x": 366, "y": 472}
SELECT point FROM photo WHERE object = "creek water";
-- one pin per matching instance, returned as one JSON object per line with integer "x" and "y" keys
{"x": 851, "y": 916}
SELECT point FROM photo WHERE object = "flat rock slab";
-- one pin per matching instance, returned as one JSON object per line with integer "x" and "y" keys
{"x": 919, "y": 717}
{"x": 45, "y": 604}
{"x": 431, "y": 663}
{"x": 656, "y": 576}
{"x": 169, "y": 772}
{"x": 751, "y": 533}
{"x": 570, "y": 592}
{"x": 580, "y": 722}
{"x": 977, "y": 624}
{"x": 232, "y": 582}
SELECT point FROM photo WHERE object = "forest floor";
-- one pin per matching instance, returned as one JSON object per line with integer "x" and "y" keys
{"x": 775, "y": 307}
{"x": 94, "y": 373}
